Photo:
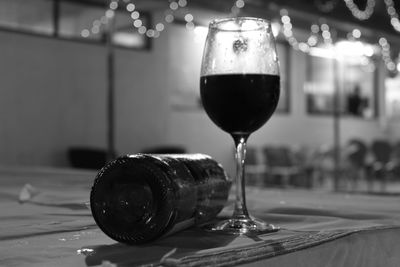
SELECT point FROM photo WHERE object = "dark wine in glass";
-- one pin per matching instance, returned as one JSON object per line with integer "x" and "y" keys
{"x": 239, "y": 88}
{"x": 257, "y": 96}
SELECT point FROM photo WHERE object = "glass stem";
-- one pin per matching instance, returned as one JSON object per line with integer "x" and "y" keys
{"x": 240, "y": 211}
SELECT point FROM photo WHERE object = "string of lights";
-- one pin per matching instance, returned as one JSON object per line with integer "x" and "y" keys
{"x": 386, "y": 54}
{"x": 313, "y": 39}
{"x": 329, "y": 5}
{"x": 361, "y": 14}
{"x": 323, "y": 30}
{"x": 369, "y": 10}
{"x": 238, "y": 5}
{"x": 394, "y": 16}
{"x": 326, "y": 34}
{"x": 319, "y": 33}
{"x": 288, "y": 33}
{"x": 99, "y": 24}
{"x": 174, "y": 5}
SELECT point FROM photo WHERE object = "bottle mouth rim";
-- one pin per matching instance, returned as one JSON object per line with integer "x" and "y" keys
{"x": 133, "y": 232}
{"x": 240, "y": 24}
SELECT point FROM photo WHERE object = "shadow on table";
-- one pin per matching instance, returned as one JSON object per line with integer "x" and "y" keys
{"x": 182, "y": 243}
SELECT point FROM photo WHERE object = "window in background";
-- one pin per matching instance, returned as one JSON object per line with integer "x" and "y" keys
{"x": 75, "y": 17}
{"x": 127, "y": 35}
{"x": 82, "y": 21}
{"x": 34, "y": 16}
{"x": 320, "y": 85}
{"x": 73, "y": 20}
{"x": 359, "y": 96}
{"x": 356, "y": 82}
{"x": 392, "y": 97}
{"x": 188, "y": 48}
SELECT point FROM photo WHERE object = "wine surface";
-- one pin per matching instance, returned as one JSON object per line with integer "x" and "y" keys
{"x": 240, "y": 103}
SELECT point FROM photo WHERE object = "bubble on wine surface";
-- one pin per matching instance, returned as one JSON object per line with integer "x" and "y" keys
{"x": 240, "y": 45}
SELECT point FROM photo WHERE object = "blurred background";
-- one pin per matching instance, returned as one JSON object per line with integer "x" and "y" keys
{"x": 84, "y": 81}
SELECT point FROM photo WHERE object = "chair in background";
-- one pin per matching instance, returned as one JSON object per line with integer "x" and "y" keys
{"x": 304, "y": 158}
{"x": 282, "y": 167}
{"x": 331, "y": 167}
{"x": 87, "y": 157}
{"x": 381, "y": 166}
{"x": 396, "y": 162}
{"x": 256, "y": 169}
{"x": 324, "y": 165}
{"x": 356, "y": 155}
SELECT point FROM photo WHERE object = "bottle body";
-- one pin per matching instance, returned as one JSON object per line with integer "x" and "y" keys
{"x": 139, "y": 198}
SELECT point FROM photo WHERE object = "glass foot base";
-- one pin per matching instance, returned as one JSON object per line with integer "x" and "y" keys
{"x": 242, "y": 226}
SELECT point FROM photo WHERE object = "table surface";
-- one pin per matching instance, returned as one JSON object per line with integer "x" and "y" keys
{"x": 45, "y": 221}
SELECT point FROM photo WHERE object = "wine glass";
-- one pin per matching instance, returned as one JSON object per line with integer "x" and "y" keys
{"x": 239, "y": 88}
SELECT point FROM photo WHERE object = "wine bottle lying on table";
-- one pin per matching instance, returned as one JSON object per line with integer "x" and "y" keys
{"x": 142, "y": 197}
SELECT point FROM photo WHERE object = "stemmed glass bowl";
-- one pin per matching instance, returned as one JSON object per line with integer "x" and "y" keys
{"x": 239, "y": 88}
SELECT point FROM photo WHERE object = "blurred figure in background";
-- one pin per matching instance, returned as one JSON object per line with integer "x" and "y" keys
{"x": 356, "y": 103}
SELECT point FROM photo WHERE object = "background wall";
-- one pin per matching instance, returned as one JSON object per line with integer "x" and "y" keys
{"x": 52, "y": 96}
